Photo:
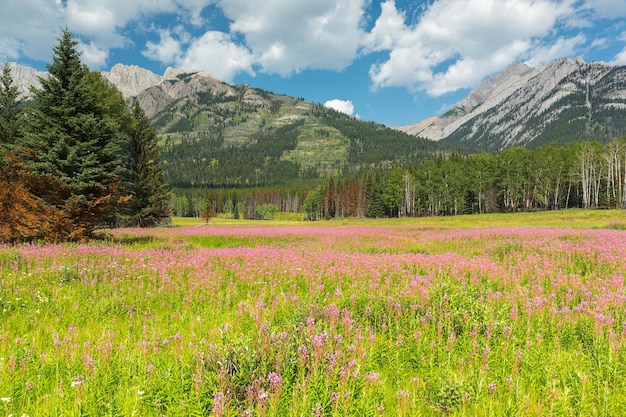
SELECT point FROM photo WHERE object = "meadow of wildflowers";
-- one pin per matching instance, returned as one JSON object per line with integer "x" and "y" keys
{"x": 358, "y": 320}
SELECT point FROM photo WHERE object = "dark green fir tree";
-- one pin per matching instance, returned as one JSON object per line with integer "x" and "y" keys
{"x": 9, "y": 108}
{"x": 144, "y": 177}
{"x": 77, "y": 138}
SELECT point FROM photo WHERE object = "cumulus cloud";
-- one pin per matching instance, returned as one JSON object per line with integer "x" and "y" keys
{"x": 343, "y": 106}
{"x": 29, "y": 28}
{"x": 608, "y": 9}
{"x": 560, "y": 48}
{"x": 288, "y": 36}
{"x": 457, "y": 43}
{"x": 436, "y": 46}
{"x": 93, "y": 56}
{"x": 167, "y": 50}
{"x": 620, "y": 58}
{"x": 219, "y": 55}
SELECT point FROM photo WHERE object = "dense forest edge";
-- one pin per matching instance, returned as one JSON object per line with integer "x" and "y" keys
{"x": 581, "y": 175}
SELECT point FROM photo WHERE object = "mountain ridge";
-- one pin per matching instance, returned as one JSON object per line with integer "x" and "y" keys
{"x": 212, "y": 132}
{"x": 525, "y": 106}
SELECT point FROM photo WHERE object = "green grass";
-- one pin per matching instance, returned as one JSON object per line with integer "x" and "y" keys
{"x": 572, "y": 218}
{"x": 514, "y": 314}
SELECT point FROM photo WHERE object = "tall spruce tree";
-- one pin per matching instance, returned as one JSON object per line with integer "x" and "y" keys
{"x": 144, "y": 177}
{"x": 9, "y": 107}
{"x": 77, "y": 141}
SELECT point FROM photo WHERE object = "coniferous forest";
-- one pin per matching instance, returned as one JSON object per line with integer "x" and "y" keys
{"x": 75, "y": 158}
{"x": 552, "y": 177}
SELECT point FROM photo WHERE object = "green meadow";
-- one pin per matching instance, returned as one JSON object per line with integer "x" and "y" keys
{"x": 520, "y": 314}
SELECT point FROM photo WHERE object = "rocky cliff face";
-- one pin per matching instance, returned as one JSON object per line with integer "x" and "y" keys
{"x": 24, "y": 77}
{"x": 131, "y": 80}
{"x": 154, "y": 92}
{"x": 564, "y": 101}
{"x": 159, "y": 97}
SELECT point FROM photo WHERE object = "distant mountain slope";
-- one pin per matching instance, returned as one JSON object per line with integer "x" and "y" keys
{"x": 562, "y": 102}
{"x": 216, "y": 134}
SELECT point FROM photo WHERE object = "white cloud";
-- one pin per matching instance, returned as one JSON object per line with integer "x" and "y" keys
{"x": 93, "y": 56}
{"x": 9, "y": 50}
{"x": 620, "y": 58}
{"x": 167, "y": 51}
{"x": 608, "y": 9}
{"x": 29, "y": 28}
{"x": 388, "y": 29}
{"x": 288, "y": 36}
{"x": 343, "y": 106}
{"x": 456, "y": 43}
{"x": 443, "y": 46}
{"x": 217, "y": 54}
{"x": 94, "y": 20}
{"x": 561, "y": 48}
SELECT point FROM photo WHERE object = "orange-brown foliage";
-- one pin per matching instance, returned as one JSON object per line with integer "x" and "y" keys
{"x": 23, "y": 216}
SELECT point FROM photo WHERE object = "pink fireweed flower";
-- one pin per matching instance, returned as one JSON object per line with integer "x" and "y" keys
{"x": 262, "y": 395}
{"x": 275, "y": 381}
{"x": 319, "y": 339}
{"x": 219, "y": 402}
{"x": 372, "y": 377}
{"x": 303, "y": 353}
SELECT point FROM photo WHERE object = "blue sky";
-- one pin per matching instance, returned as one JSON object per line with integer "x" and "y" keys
{"x": 395, "y": 62}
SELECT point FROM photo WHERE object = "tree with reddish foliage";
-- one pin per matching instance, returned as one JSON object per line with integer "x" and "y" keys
{"x": 23, "y": 216}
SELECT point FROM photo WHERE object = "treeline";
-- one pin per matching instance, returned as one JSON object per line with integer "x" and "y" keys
{"x": 240, "y": 203}
{"x": 372, "y": 145}
{"x": 75, "y": 158}
{"x": 583, "y": 174}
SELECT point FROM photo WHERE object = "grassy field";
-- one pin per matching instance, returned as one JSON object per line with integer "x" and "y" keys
{"x": 574, "y": 219}
{"x": 491, "y": 315}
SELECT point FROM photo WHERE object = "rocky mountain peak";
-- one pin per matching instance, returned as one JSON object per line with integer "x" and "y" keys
{"x": 178, "y": 85}
{"x": 563, "y": 101}
{"x": 510, "y": 102}
{"x": 24, "y": 77}
{"x": 131, "y": 79}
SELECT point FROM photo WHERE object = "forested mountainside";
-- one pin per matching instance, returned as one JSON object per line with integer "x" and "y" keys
{"x": 563, "y": 102}
{"x": 217, "y": 134}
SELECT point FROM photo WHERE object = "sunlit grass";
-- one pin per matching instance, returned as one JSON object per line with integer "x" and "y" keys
{"x": 513, "y": 314}
{"x": 572, "y": 218}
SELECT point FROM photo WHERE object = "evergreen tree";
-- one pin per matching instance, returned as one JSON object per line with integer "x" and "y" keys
{"x": 144, "y": 178}
{"x": 9, "y": 107}
{"x": 77, "y": 140}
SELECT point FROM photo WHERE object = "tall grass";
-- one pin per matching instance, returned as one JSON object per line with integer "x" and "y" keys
{"x": 324, "y": 319}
